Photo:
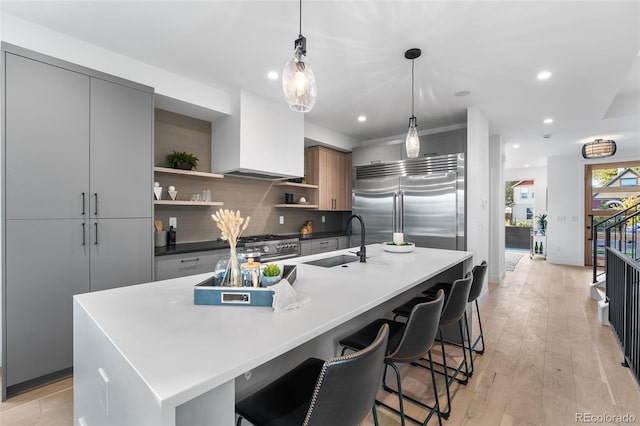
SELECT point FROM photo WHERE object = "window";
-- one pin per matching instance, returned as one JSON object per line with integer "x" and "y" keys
{"x": 628, "y": 181}
{"x": 529, "y": 213}
{"x": 524, "y": 192}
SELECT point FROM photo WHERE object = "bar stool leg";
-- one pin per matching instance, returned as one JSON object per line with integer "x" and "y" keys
{"x": 481, "y": 337}
{"x": 464, "y": 347}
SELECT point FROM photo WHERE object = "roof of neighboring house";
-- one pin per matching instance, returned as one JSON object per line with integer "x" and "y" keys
{"x": 523, "y": 183}
{"x": 622, "y": 174}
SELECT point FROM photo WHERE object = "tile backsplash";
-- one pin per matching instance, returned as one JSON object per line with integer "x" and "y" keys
{"x": 254, "y": 198}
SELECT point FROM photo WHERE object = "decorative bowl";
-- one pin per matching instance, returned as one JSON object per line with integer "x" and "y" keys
{"x": 394, "y": 248}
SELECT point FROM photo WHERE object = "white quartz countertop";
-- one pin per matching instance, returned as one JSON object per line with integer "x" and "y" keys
{"x": 182, "y": 350}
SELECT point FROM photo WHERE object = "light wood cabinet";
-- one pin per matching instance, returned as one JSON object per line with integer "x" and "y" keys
{"x": 331, "y": 171}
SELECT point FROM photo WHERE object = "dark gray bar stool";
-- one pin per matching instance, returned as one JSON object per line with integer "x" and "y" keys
{"x": 453, "y": 312}
{"x": 479, "y": 275}
{"x": 339, "y": 391}
{"x": 408, "y": 342}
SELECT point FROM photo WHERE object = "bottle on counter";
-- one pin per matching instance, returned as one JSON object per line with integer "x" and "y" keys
{"x": 172, "y": 236}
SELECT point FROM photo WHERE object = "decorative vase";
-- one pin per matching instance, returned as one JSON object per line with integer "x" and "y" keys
{"x": 234, "y": 275}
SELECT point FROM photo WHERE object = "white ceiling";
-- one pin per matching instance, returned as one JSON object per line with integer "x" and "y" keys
{"x": 494, "y": 49}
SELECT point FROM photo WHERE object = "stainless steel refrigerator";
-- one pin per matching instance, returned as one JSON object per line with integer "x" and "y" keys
{"x": 422, "y": 197}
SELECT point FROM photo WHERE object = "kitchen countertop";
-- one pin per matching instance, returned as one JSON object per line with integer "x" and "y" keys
{"x": 159, "y": 343}
{"x": 182, "y": 248}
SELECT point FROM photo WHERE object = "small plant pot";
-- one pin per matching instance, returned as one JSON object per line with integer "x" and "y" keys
{"x": 184, "y": 166}
{"x": 267, "y": 281}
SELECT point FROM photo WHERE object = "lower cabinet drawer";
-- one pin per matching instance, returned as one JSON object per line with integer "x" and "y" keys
{"x": 321, "y": 246}
{"x": 182, "y": 265}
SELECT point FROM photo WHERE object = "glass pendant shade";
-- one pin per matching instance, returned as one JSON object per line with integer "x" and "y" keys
{"x": 599, "y": 149}
{"x": 299, "y": 83}
{"x": 412, "y": 144}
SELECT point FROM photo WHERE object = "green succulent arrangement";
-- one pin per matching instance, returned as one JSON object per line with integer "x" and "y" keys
{"x": 182, "y": 160}
{"x": 271, "y": 270}
{"x": 391, "y": 243}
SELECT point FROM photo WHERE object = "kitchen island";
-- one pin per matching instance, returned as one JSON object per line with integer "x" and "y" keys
{"x": 146, "y": 355}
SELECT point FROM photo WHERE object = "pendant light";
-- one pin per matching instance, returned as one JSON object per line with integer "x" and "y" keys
{"x": 298, "y": 81}
{"x": 599, "y": 149}
{"x": 412, "y": 144}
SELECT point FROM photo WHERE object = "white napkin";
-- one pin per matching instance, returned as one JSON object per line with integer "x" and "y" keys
{"x": 284, "y": 297}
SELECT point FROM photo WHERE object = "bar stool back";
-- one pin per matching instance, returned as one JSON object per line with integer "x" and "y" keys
{"x": 408, "y": 342}
{"x": 340, "y": 391}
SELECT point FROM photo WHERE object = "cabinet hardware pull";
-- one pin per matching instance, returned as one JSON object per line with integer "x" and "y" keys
{"x": 84, "y": 238}
{"x": 96, "y": 224}
{"x": 83, "y": 203}
{"x": 96, "y": 195}
{"x": 376, "y": 161}
{"x": 197, "y": 259}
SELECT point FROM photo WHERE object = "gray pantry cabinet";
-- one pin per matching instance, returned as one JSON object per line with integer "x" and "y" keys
{"x": 77, "y": 203}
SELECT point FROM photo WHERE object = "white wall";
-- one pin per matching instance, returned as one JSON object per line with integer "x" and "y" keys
{"x": 566, "y": 222}
{"x": 318, "y": 135}
{"x": 34, "y": 37}
{"x": 478, "y": 188}
{"x": 496, "y": 210}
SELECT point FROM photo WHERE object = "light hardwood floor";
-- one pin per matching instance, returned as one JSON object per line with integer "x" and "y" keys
{"x": 547, "y": 359}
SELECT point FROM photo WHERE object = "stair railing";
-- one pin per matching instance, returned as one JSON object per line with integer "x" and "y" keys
{"x": 611, "y": 221}
{"x": 623, "y": 287}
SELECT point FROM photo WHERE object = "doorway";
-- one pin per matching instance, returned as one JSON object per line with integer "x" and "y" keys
{"x": 608, "y": 188}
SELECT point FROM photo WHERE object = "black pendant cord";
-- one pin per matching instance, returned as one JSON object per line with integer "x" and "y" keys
{"x": 300, "y": 20}
{"x": 412, "y": 101}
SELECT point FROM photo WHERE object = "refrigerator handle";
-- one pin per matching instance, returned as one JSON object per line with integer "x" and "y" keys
{"x": 394, "y": 212}
{"x": 401, "y": 215}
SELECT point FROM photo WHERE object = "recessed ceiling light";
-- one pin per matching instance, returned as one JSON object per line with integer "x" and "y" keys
{"x": 547, "y": 136}
{"x": 272, "y": 75}
{"x": 462, "y": 93}
{"x": 362, "y": 118}
{"x": 516, "y": 146}
{"x": 548, "y": 120}
{"x": 526, "y": 165}
{"x": 543, "y": 75}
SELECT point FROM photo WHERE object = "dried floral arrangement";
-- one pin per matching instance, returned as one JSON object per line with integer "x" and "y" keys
{"x": 231, "y": 225}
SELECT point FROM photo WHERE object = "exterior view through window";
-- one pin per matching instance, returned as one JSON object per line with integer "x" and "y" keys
{"x": 609, "y": 189}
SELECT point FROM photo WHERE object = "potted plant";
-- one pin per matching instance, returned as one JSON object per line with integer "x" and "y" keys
{"x": 182, "y": 160}
{"x": 271, "y": 274}
{"x": 542, "y": 223}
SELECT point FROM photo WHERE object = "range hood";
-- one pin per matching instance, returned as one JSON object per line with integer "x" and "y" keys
{"x": 262, "y": 139}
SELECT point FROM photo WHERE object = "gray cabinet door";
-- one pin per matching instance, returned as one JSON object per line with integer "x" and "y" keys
{"x": 121, "y": 146}
{"x": 182, "y": 265}
{"x": 324, "y": 245}
{"x": 46, "y": 265}
{"x": 305, "y": 248}
{"x": 363, "y": 156}
{"x": 121, "y": 252}
{"x": 47, "y": 140}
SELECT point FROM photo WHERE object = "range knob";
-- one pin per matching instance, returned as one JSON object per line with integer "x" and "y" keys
{"x": 265, "y": 249}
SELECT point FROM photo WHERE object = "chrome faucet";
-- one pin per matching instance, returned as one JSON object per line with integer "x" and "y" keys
{"x": 363, "y": 250}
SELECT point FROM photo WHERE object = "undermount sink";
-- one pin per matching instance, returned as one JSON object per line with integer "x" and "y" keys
{"x": 329, "y": 262}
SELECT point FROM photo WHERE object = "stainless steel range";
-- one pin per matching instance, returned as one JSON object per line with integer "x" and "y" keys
{"x": 272, "y": 247}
